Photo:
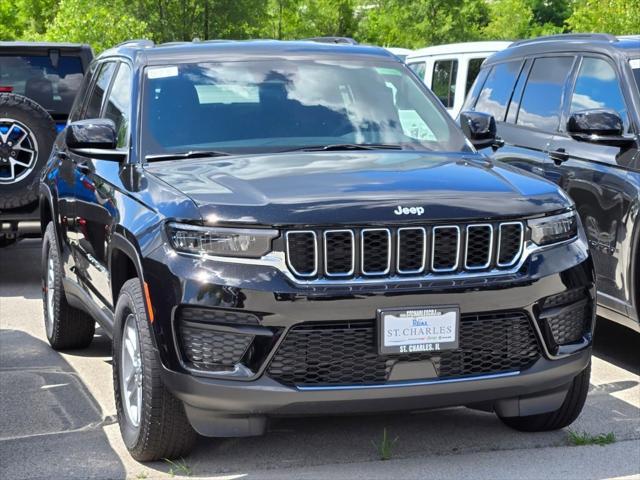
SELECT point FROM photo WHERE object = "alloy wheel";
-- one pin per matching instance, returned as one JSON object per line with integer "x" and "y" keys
{"x": 18, "y": 151}
{"x": 131, "y": 371}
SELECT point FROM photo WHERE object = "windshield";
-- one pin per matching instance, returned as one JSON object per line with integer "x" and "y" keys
{"x": 34, "y": 76}
{"x": 279, "y": 105}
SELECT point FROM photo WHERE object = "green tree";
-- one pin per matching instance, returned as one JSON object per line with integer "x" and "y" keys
{"x": 25, "y": 18}
{"x": 184, "y": 20}
{"x": 101, "y": 25}
{"x": 418, "y": 23}
{"x": 618, "y": 17}
{"x": 509, "y": 20}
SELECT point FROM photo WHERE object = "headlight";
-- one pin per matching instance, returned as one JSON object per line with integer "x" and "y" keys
{"x": 228, "y": 242}
{"x": 553, "y": 229}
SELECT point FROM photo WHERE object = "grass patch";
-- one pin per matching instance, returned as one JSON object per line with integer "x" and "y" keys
{"x": 141, "y": 475}
{"x": 178, "y": 467}
{"x": 584, "y": 438}
{"x": 385, "y": 447}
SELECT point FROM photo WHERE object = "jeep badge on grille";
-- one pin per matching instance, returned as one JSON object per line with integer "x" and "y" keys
{"x": 400, "y": 210}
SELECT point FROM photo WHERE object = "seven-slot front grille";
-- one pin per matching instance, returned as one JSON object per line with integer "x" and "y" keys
{"x": 405, "y": 251}
{"x": 345, "y": 353}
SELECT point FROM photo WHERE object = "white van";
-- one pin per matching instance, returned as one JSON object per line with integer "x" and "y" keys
{"x": 449, "y": 70}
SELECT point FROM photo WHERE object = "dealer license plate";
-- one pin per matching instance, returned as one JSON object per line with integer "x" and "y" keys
{"x": 417, "y": 330}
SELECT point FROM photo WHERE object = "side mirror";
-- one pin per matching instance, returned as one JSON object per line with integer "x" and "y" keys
{"x": 598, "y": 126}
{"x": 95, "y": 138}
{"x": 93, "y": 133}
{"x": 480, "y": 129}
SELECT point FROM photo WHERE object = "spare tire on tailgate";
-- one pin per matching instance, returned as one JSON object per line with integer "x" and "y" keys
{"x": 27, "y": 133}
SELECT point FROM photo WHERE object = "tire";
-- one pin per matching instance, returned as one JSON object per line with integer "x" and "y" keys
{"x": 19, "y": 186}
{"x": 564, "y": 416}
{"x": 160, "y": 428}
{"x": 66, "y": 327}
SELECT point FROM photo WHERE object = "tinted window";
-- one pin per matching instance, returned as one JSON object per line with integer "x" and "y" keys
{"x": 597, "y": 86}
{"x": 74, "y": 113}
{"x": 497, "y": 89}
{"x": 36, "y": 77}
{"x": 472, "y": 94}
{"x": 419, "y": 68}
{"x": 102, "y": 83}
{"x": 245, "y": 106}
{"x": 472, "y": 71}
{"x": 542, "y": 98}
{"x": 443, "y": 81}
{"x": 635, "y": 68}
{"x": 119, "y": 103}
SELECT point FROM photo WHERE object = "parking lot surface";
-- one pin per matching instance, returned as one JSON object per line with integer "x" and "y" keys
{"x": 57, "y": 418}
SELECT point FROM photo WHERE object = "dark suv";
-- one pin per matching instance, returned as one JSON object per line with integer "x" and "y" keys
{"x": 38, "y": 83}
{"x": 568, "y": 109}
{"x": 294, "y": 228}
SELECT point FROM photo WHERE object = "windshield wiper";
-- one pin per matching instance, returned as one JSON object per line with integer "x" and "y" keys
{"x": 346, "y": 146}
{"x": 156, "y": 157}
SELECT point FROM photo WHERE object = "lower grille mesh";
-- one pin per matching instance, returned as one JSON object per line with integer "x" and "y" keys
{"x": 345, "y": 353}
{"x": 208, "y": 349}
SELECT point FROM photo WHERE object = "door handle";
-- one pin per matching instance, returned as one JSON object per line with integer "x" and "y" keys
{"x": 558, "y": 156}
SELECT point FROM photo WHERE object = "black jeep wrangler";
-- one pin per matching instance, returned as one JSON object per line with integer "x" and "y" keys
{"x": 294, "y": 228}
{"x": 38, "y": 83}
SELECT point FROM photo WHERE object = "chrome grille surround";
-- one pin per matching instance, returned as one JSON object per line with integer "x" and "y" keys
{"x": 314, "y": 272}
{"x": 400, "y": 231}
{"x": 363, "y": 233}
{"x": 347, "y": 273}
{"x": 434, "y": 245}
{"x": 518, "y": 253}
{"x": 489, "y": 249}
{"x": 342, "y": 255}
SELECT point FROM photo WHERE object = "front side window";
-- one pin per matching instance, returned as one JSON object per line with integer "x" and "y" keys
{"x": 597, "y": 86}
{"x": 497, "y": 89}
{"x": 635, "y": 68}
{"x": 49, "y": 81}
{"x": 443, "y": 81}
{"x": 119, "y": 103}
{"x": 542, "y": 98}
{"x": 270, "y": 106}
{"x": 419, "y": 68}
{"x": 97, "y": 95}
{"x": 473, "y": 69}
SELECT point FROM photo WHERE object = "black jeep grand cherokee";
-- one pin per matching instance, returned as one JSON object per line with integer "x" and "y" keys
{"x": 293, "y": 228}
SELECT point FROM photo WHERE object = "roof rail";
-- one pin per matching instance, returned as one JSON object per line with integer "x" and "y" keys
{"x": 138, "y": 42}
{"x": 603, "y": 37}
{"x": 336, "y": 40}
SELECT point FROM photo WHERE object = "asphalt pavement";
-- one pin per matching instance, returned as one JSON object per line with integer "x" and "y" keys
{"x": 57, "y": 419}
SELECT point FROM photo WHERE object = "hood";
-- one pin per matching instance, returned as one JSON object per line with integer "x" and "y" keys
{"x": 301, "y": 188}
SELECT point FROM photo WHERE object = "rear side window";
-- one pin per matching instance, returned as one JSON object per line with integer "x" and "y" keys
{"x": 119, "y": 103}
{"x": 419, "y": 69}
{"x": 49, "y": 80}
{"x": 102, "y": 83}
{"x": 497, "y": 89}
{"x": 443, "y": 81}
{"x": 472, "y": 72}
{"x": 597, "y": 86}
{"x": 542, "y": 98}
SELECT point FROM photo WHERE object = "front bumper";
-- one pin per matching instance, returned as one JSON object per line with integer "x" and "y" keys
{"x": 220, "y": 406}
{"x": 225, "y": 408}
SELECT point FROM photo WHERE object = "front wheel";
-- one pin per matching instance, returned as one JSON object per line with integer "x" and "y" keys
{"x": 152, "y": 421}
{"x": 564, "y": 416}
